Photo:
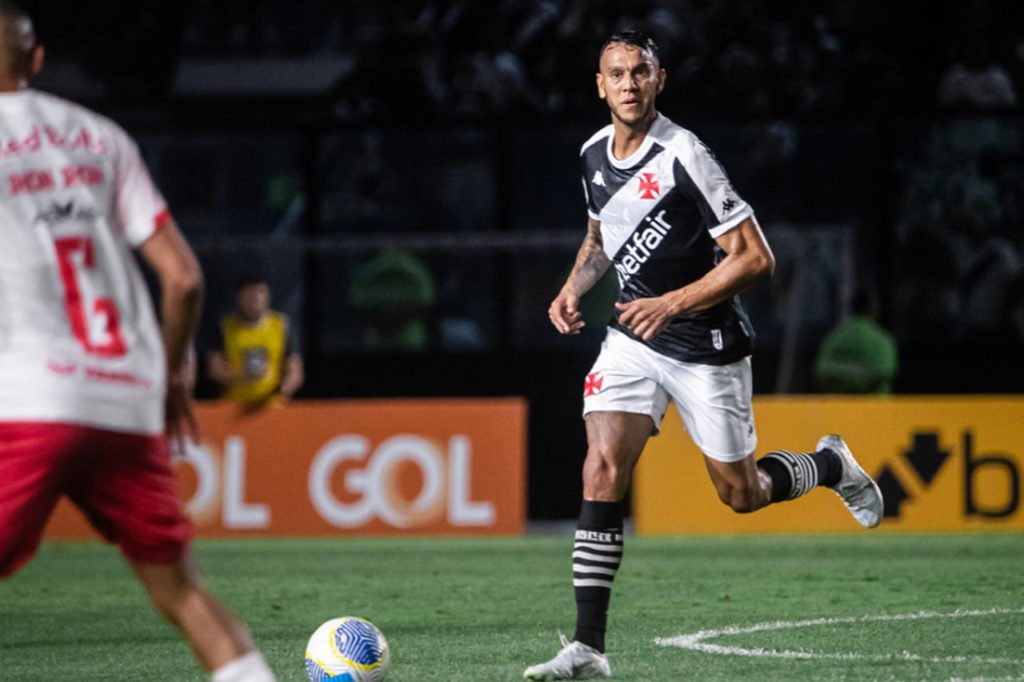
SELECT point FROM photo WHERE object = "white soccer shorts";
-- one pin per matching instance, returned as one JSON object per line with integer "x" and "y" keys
{"x": 714, "y": 401}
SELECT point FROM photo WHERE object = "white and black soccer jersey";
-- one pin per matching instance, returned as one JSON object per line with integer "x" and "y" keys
{"x": 660, "y": 212}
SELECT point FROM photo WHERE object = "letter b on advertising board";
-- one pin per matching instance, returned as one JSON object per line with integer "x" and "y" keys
{"x": 977, "y": 466}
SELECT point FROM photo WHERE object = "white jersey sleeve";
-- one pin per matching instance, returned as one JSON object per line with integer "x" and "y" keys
{"x": 141, "y": 209}
{"x": 724, "y": 209}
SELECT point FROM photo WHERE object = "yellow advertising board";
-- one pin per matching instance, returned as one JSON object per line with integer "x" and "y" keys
{"x": 943, "y": 463}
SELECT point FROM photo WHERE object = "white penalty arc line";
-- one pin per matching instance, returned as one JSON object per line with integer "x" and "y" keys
{"x": 697, "y": 640}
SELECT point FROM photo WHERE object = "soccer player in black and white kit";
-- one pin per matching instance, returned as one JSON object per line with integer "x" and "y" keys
{"x": 683, "y": 244}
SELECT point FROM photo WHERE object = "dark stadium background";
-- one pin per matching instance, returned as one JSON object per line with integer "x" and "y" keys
{"x": 300, "y": 139}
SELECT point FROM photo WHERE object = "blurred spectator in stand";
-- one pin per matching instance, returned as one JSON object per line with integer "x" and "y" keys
{"x": 257, "y": 359}
{"x": 992, "y": 265}
{"x": 928, "y": 298}
{"x": 859, "y": 355}
{"x": 392, "y": 294}
{"x": 458, "y": 59}
{"x": 977, "y": 82}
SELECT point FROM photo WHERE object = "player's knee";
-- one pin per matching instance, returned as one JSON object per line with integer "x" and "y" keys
{"x": 602, "y": 474}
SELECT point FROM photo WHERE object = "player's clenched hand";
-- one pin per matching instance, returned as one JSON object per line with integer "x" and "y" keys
{"x": 645, "y": 317}
{"x": 564, "y": 313}
{"x": 181, "y": 420}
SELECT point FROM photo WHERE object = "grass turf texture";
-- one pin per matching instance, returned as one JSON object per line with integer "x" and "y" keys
{"x": 484, "y": 609}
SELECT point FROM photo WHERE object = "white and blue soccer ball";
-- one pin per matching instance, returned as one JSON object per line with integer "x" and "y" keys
{"x": 347, "y": 649}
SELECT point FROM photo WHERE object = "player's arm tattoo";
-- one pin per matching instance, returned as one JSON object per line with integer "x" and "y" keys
{"x": 591, "y": 260}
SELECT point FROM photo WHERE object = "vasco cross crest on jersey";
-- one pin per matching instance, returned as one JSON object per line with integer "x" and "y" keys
{"x": 592, "y": 384}
{"x": 649, "y": 188}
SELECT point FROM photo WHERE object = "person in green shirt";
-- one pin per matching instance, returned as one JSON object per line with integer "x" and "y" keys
{"x": 859, "y": 355}
{"x": 393, "y": 293}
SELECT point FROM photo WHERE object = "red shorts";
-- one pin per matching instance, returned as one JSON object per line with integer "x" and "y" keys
{"x": 122, "y": 482}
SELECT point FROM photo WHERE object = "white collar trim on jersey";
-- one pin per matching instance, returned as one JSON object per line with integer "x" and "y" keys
{"x": 641, "y": 151}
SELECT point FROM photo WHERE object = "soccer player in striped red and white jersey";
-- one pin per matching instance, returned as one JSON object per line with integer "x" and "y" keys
{"x": 92, "y": 385}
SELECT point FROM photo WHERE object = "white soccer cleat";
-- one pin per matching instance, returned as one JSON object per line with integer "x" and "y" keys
{"x": 858, "y": 491}
{"x": 576, "y": 661}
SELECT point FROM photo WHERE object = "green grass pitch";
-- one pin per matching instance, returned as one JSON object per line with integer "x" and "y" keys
{"x": 484, "y": 609}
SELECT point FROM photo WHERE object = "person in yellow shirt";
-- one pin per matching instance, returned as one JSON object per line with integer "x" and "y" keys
{"x": 257, "y": 358}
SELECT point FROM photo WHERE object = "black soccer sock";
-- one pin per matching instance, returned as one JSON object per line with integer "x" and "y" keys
{"x": 795, "y": 474}
{"x": 830, "y": 467}
{"x": 596, "y": 555}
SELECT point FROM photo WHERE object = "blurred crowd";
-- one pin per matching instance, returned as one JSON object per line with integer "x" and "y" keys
{"x": 960, "y": 243}
{"x": 442, "y": 59}
{"x": 728, "y": 58}
{"x": 833, "y": 112}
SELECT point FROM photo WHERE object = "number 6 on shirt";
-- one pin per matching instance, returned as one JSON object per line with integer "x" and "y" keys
{"x": 103, "y": 317}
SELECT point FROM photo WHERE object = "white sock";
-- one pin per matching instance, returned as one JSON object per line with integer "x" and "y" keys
{"x": 248, "y": 668}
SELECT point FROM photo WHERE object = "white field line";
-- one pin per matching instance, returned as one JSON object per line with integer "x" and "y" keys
{"x": 697, "y": 641}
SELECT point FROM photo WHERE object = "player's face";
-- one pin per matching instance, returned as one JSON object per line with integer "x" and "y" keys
{"x": 629, "y": 80}
{"x": 253, "y": 301}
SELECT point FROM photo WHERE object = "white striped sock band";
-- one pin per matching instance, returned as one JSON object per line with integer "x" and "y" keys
{"x": 802, "y": 469}
{"x": 596, "y": 556}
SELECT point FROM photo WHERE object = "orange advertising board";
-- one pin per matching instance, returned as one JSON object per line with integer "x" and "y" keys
{"x": 943, "y": 464}
{"x": 368, "y": 467}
